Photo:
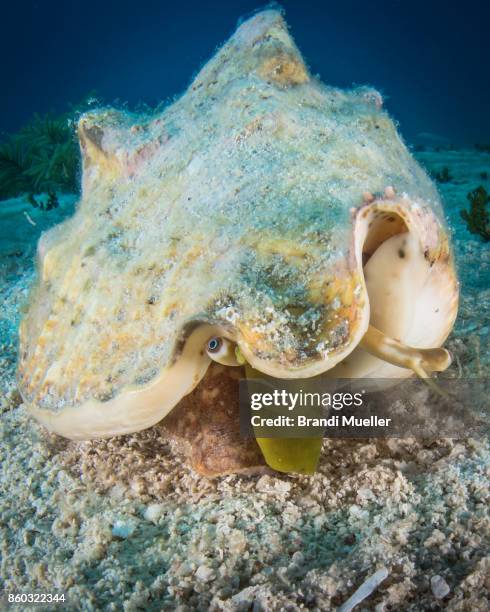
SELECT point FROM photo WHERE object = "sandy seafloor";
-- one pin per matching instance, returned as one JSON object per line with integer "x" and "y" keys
{"x": 124, "y": 524}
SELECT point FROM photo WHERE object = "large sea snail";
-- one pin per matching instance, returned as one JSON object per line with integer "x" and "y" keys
{"x": 337, "y": 260}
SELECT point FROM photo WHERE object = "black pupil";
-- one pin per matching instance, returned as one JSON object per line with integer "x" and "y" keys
{"x": 214, "y": 345}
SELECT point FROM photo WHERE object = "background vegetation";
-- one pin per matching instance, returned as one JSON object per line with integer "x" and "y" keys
{"x": 44, "y": 156}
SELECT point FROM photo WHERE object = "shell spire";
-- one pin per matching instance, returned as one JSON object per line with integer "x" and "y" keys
{"x": 261, "y": 46}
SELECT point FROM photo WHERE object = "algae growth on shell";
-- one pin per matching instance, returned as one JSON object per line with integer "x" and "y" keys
{"x": 248, "y": 210}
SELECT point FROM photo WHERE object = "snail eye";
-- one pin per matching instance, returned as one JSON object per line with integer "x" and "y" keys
{"x": 214, "y": 345}
{"x": 222, "y": 351}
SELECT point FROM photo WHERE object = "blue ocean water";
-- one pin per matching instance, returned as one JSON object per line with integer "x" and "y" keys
{"x": 429, "y": 59}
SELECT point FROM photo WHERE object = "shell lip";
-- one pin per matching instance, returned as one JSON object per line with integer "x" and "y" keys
{"x": 409, "y": 213}
{"x": 327, "y": 360}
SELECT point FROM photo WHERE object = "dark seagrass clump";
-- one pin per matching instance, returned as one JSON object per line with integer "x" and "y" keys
{"x": 43, "y": 156}
{"x": 442, "y": 176}
{"x": 477, "y": 217}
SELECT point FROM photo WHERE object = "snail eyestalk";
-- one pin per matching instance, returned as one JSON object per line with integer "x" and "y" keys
{"x": 420, "y": 361}
{"x": 239, "y": 356}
